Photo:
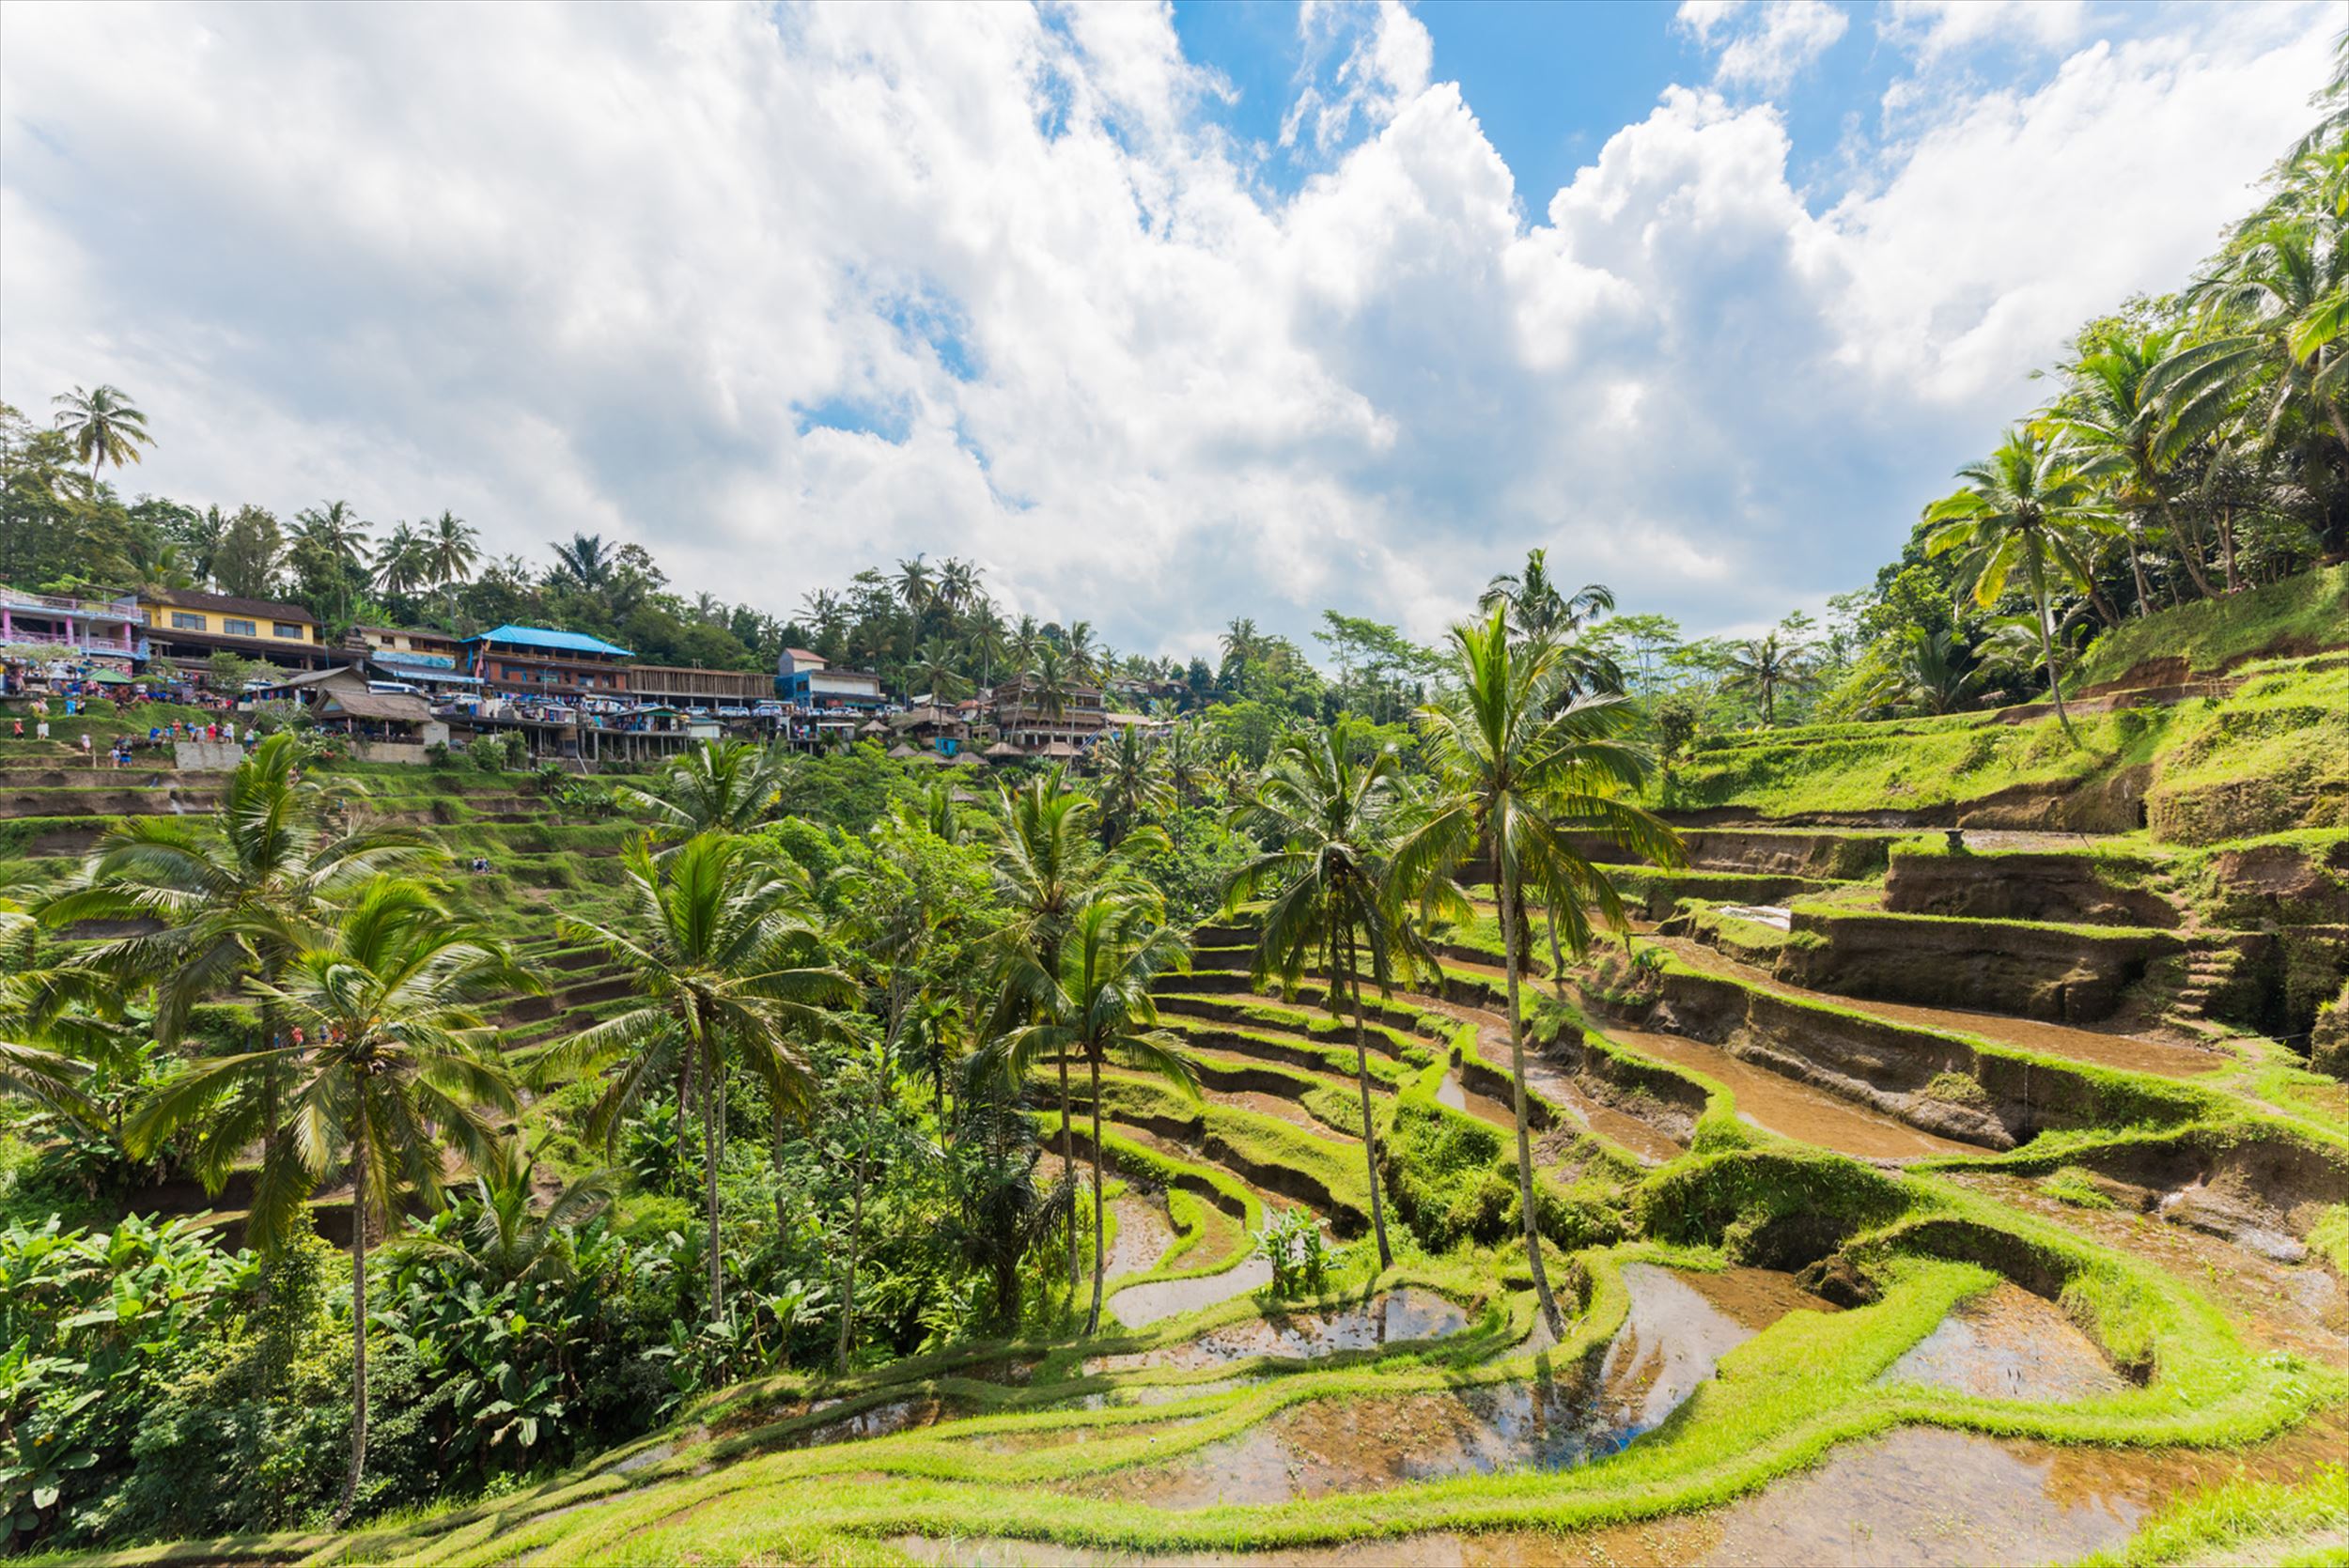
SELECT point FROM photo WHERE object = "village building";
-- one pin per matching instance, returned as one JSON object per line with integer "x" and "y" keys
{"x": 929, "y": 730}
{"x": 692, "y": 687}
{"x": 540, "y": 664}
{"x": 382, "y": 726}
{"x": 824, "y": 707}
{"x": 1034, "y": 725}
{"x": 99, "y": 624}
{"x": 188, "y": 628}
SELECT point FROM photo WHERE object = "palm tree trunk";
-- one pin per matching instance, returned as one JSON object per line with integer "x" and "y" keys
{"x": 1092, "y": 1318}
{"x": 1557, "y": 953}
{"x": 358, "y": 1314}
{"x": 1516, "y": 1085}
{"x": 710, "y": 1110}
{"x": 1069, "y": 1166}
{"x": 2047, "y": 651}
{"x": 775, "y": 1158}
{"x": 1361, "y": 1084}
{"x": 2190, "y": 549}
{"x": 2226, "y": 550}
{"x": 847, "y": 1287}
{"x": 2137, "y": 572}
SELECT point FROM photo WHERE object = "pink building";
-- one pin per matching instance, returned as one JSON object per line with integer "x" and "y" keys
{"x": 96, "y": 622}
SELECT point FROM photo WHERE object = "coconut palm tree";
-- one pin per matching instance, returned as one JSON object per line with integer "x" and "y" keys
{"x": 1930, "y": 673}
{"x": 1047, "y": 864}
{"x": 330, "y": 541}
{"x": 1333, "y": 819}
{"x": 917, "y": 586}
{"x": 1765, "y": 666}
{"x": 2273, "y": 338}
{"x": 934, "y": 666}
{"x": 711, "y": 938}
{"x": 1048, "y": 680}
{"x": 34, "y": 1073}
{"x": 1134, "y": 781}
{"x": 714, "y": 786}
{"x": 1243, "y": 642}
{"x": 825, "y": 615}
{"x": 513, "y": 1234}
{"x": 454, "y": 546}
{"x": 393, "y": 1068}
{"x": 1187, "y": 760}
{"x": 1535, "y": 605}
{"x": 985, "y": 640}
{"x": 1515, "y": 777}
{"x": 2108, "y": 419}
{"x": 335, "y": 531}
{"x": 586, "y": 563}
{"x": 958, "y": 584}
{"x": 2025, "y": 513}
{"x": 1083, "y": 656}
{"x": 46, "y": 1079}
{"x": 1027, "y": 642}
{"x": 403, "y": 561}
{"x": 104, "y": 427}
{"x": 239, "y": 897}
{"x": 1094, "y": 1005}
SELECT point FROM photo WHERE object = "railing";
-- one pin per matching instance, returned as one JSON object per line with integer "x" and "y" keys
{"x": 124, "y": 609}
{"x": 94, "y": 641}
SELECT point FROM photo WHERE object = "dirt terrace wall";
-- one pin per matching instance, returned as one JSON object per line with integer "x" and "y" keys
{"x": 2328, "y": 1041}
{"x": 2038, "y": 972}
{"x": 1236, "y": 1015}
{"x": 207, "y": 756}
{"x": 2280, "y": 883}
{"x": 2072, "y": 889}
{"x": 1824, "y": 855}
{"x": 1891, "y": 1067}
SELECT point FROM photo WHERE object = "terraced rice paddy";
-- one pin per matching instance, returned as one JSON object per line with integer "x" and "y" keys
{"x": 1846, "y": 1280}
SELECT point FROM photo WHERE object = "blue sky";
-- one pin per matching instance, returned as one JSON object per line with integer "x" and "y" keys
{"x": 1163, "y": 315}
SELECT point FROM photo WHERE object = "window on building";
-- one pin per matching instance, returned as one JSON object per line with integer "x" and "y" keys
{"x": 285, "y": 629}
{"x": 183, "y": 621}
{"x": 240, "y": 629}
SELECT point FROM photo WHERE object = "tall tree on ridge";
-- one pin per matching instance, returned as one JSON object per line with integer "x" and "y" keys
{"x": 2025, "y": 513}
{"x": 393, "y": 1070}
{"x": 1335, "y": 821}
{"x": 1516, "y": 777}
{"x": 105, "y": 426}
{"x": 710, "y": 938}
{"x": 1095, "y": 1004}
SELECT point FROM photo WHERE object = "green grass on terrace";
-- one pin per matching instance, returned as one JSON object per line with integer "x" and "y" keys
{"x": 2272, "y": 757}
{"x": 2307, "y": 613}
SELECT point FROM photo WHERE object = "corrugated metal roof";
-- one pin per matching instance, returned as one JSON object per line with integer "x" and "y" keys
{"x": 542, "y": 637}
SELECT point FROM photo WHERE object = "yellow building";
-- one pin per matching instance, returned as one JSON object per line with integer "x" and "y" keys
{"x": 184, "y": 625}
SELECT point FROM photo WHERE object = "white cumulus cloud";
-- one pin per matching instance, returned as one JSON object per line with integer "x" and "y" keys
{"x": 785, "y": 293}
{"x": 1762, "y": 44}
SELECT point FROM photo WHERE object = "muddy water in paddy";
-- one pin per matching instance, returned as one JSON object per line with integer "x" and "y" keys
{"x": 2130, "y": 1052}
{"x": 2297, "y": 1307}
{"x": 1792, "y": 1108}
{"x": 2008, "y": 1344}
{"x": 1143, "y": 1235}
{"x": 1453, "y": 1093}
{"x": 1918, "y": 1497}
{"x": 1140, "y": 1305}
{"x": 1407, "y": 1312}
{"x": 1286, "y": 1110}
{"x": 1680, "y": 1326}
{"x": 1645, "y": 1140}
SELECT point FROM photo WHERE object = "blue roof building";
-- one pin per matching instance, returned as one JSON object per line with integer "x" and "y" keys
{"x": 536, "y": 662}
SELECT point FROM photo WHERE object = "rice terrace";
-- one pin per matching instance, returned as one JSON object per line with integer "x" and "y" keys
{"x": 508, "y": 1056}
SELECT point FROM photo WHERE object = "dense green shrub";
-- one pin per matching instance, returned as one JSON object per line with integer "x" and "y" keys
{"x": 98, "y": 1326}
{"x": 1444, "y": 1174}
